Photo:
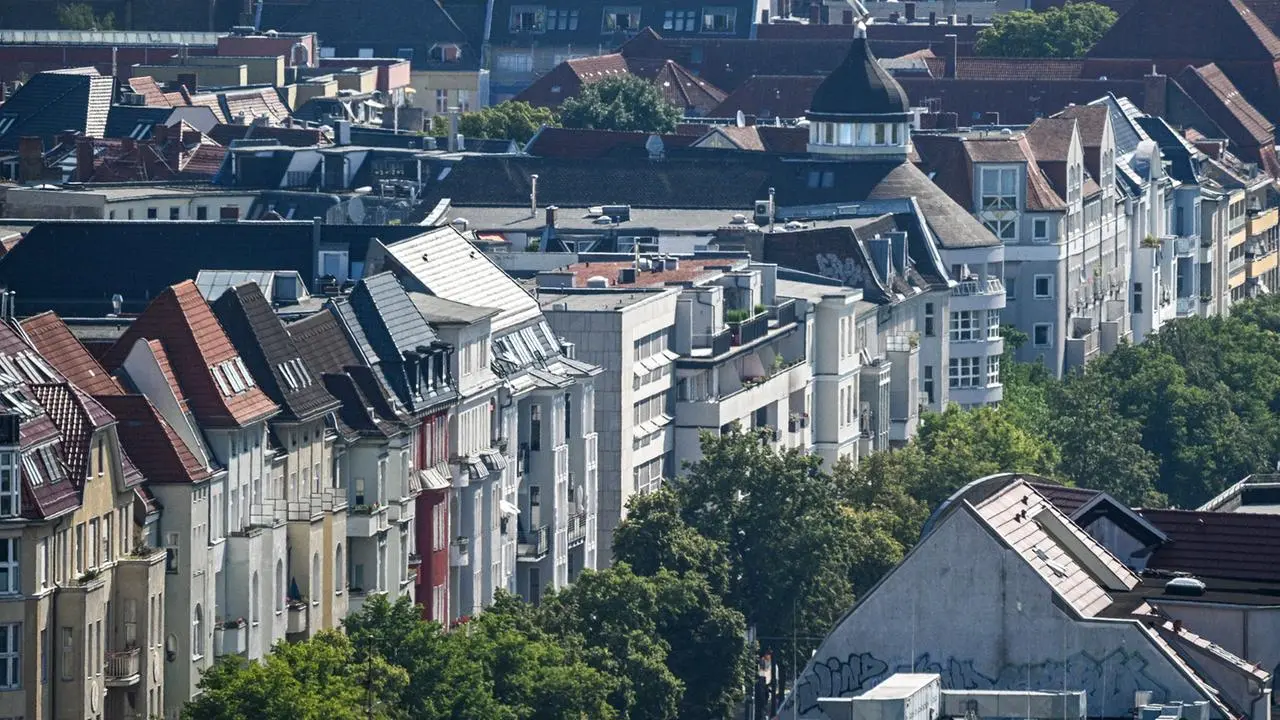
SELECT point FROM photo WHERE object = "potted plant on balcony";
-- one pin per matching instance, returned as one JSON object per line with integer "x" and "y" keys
{"x": 1150, "y": 242}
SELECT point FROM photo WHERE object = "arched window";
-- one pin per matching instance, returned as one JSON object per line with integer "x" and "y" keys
{"x": 315, "y": 577}
{"x": 279, "y": 585}
{"x": 255, "y": 600}
{"x": 197, "y": 633}
{"x": 339, "y": 569}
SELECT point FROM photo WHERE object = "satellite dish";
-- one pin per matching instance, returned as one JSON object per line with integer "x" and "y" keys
{"x": 355, "y": 210}
{"x": 740, "y": 120}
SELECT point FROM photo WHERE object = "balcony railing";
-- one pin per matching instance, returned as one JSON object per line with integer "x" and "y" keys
{"x": 1187, "y": 305}
{"x": 124, "y": 668}
{"x": 533, "y": 545}
{"x": 1184, "y": 246}
{"x": 749, "y": 330}
{"x": 783, "y": 313}
{"x": 990, "y": 286}
{"x": 577, "y": 528}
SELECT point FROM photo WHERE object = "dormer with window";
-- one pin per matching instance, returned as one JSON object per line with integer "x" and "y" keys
{"x": 446, "y": 53}
{"x": 620, "y": 19}
{"x": 999, "y": 199}
{"x": 860, "y": 110}
{"x": 528, "y": 19}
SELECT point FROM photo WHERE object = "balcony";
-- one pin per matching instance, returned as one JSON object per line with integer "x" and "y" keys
{"x": 298, "y": 618}
{"x": 716, "y": 410}
{"x": 459, "y": 555}
{"x": 749, "y": 330}
{"x": 1184, "y": 246}
{"x": 415, "y": 560}
{"x": 783, "y": 314}
{"x": 357, "y": 599}
{"x": 978, "y": 295}
{"x": 230, "y": 638}
{"x": 124, "y": 669}
{"x": 532, "y": 546}
{"x": 719, "y": 343}
{"x": 577, "y": 529}
{"x": 1187, "y": 306}
{"x": 366, "y": 520}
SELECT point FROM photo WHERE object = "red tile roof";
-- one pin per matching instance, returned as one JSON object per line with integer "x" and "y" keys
{"x": 1214, "y": 92}
{"x": 763, "y": 138}
{"x": 690, "y": 270}
{"x": 1186, "y": 29}
{"x": 1066, "y": 499}
{"x": 1238, "y": 546}
{"x": 784, "y": 96}
{"x": 198, "y": 348}
{"x": 678, "y": 85}
{"x": 56, "y": 343}
{"x": 152, "y": 444}
{"x": 78, "y": 417}
{"x": 147, "y": 87}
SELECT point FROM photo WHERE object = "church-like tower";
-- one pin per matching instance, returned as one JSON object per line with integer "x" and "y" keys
{"x": 860, "y": 111}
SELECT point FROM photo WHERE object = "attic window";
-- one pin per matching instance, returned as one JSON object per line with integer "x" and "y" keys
{"x": 719, "y": 19}
{"x": 620, "y": 19}
{"x": 528, "y": 18}
{"x": 141, "y": 132}
{"x": 680, "y": 20}
{"x": 562, "y": 20}
{"x": 823, "y": 179}
{"x": 6, "y": 122}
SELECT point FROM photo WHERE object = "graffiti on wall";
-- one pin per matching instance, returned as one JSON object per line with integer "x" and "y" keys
{"x": 1110, "y": 680}
{"x": 847, "y": 270}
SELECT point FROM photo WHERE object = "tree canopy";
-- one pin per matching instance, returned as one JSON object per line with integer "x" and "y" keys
{"x": 79, "y": 16}
{"x": 620, "y": 102}
{"x": 1066, "y": 32}
{"x": 510, "y": 120}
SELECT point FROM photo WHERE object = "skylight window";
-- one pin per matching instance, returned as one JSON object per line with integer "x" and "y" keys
{"x": 15, "y": 400}
{"x": 222, "y": 381}
{"x": 300, "y": 369}
{"x": 244, "y": 371}
{"x": 7, "y": 122}
{"x": 233, "y": 377}
{"x": 32, "y": 471}
{"x": 287, "y": 371}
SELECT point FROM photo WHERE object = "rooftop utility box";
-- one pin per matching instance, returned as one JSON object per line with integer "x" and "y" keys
{"x": 899, "y": 697}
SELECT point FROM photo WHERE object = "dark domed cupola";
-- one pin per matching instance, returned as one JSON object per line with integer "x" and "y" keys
{"x": 860, "y": 109}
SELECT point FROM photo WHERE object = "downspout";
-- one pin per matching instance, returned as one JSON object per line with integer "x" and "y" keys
{"x": 488, "y": 30}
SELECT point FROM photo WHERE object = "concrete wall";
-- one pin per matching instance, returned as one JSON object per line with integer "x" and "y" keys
{"x": 964, "y": 606}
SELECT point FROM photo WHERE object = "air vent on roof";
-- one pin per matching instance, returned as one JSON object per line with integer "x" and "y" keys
{"x": 1187, "y": 586}
{"x": 597, "y": 281}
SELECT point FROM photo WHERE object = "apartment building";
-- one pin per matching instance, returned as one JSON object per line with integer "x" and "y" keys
{"x": 303, "y": 466}
{"x": 628, "y": 330}
{"x": 81, "y": 619}
{"x": 226, "y": 541}
{"x": 409, "y": 363}
{"x": 544, "y": 474}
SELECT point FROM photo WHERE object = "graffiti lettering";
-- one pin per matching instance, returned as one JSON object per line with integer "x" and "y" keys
{"x": 1110, "y": 680}
{"x": 847, "y": 270}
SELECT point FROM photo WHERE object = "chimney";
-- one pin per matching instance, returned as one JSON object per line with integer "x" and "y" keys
{"x": 893, "y": 17}
{"x": 228, "y": 213}
{"x": 847, "y": 18}
{"x": 879, "y": 250}
{"x": 128, "y": 144}
{"x": 1155, "y": 95}
{"x": 951, "y": 42}
{"x": 188, "y": 81}
{"x": 815, "y": 13}
{"x": 551, "y": 216}
{"x": 910, "y": 9}
{"x": 929, "y": 121}
{"x": 159, "y": 133}
{"x": 30, "y": 159}
{"x": 342, "y": 132}
{"x": 84, "y": 159}
{"x": 933, "y": 18}
{"x": 949, "y": 9}
{"x": 452, "y": 140}
{"x": 969, "y": 19}
{"x": 533, "y": 195}
{"x": 191, "y": 137}
{"x": 948, "y": 121}
{"x": 764, "y": 16}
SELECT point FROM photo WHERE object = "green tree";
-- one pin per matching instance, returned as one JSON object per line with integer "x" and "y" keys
{"x": 318, "y": 679}
{"x": 1262, "y": 312}
{"x": 656, "y": 537}
{"x": 1066, "y": 32}
{"x": 784, "y": 529}
{"x": 510, "y": 120}
{"x": 444, "y": 680}
{"x": 79, "y": 16}
{"x": 620, "y": 102}
{"x": 700, "y": 640}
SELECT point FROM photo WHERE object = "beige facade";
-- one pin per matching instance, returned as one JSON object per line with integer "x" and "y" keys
{"x": 438, "y": 90}
{"x": 84, "y": 617}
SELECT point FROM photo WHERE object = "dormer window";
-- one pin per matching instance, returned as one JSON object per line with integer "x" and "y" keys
{"x": 620, "y": 19}
{"x": 719, "y": 19}
{"x": 446, "y": 52}
{"x": 999, "y": 189}
{"x": 528, "y": 19}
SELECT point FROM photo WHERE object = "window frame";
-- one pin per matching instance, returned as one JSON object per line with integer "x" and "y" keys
{"x": 1048, "y": 330}
{"x": 614, "y": 12}
{"x": 1037, "y": 224}
{"x": 539, "y": 13}
{"x": 712, "y": 11}
{"x": 11, "y": 656}
{"x": 13, "y": 564}
{"x": 1035, "y": 286}
{"x": 965, "y": 326}
{"x": 964, "y": 372}
{"x": 998, "y": 201}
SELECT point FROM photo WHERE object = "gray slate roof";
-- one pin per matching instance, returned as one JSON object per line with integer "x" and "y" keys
{"x": 54, "y": 102}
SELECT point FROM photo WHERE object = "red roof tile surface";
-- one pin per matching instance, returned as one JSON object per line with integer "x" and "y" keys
{"x": 147, "y": 87}
{"x": 152, "y": 444}
{"x": 1238, "y": 546}
{"x": 56, "y": 343}
{"x": 181, "y": 320}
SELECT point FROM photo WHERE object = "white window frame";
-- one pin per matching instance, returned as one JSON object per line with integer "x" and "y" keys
{"x": 1040, "y": 230}
{"x": 711, "y": 11}
{"x": 993, "y": 324}
{"x": 10, "y": 485}
{"x": 965, "y": 326}
{"x": 993, "y": 370}
{"x": 1000, "y": 197}
{"x": 11, "y": 657}
{"x": 1035, "y": 287}
{"x": 12, "y": 576}
{"x": 1048, "y": 333}
{"x": 964, "y": 372}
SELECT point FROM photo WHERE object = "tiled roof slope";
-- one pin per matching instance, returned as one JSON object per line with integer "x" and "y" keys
{"x": 1224, "y": 30}
{"x": 678, "y": 85}
{"x": 1214, "y": 92}
{"x": 270, "y": 353}
{"x": 197, "y": 347}
{"x": 441, "y": 262}
{"x": 327, "y": 350}
{"x": 54, "y": 102}
{"x": 152, "y": 444}
{"x": 78, "y": 417}
{"x": 784, "y": 96}
{"x": 55, "y": 341}
{"x": 1067, "y": 499}
{"x": 555, "y": 142}
{"x": 1237, "y": 546}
